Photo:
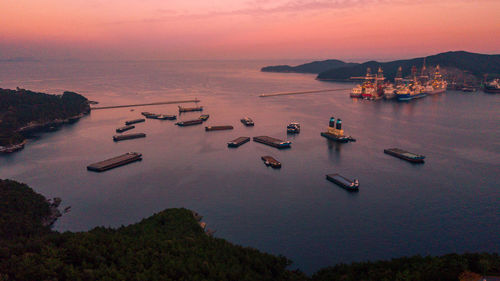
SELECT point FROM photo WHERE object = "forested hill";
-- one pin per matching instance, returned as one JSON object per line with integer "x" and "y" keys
{"x": 171, "y": 245}
{"x": 475, "y": 64}
{"x": 312, "y": 67}
{"x": 20, "y": 108}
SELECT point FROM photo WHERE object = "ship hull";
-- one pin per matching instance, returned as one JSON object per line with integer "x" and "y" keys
{"x": 407, "y": 97}
{"x": 491, "y": 90}
{"x": 436, "y": 91}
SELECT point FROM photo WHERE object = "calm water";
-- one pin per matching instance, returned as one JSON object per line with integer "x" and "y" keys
{"x": 448, "y": 204}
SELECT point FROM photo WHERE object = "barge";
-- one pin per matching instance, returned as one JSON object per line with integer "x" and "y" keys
{"x": 130, "y": 122}
{"x": 189, "y": 122}
{"x": 405, "y": 155}
{"x": 188, "y": 109}
{"x": 335, "y": 131}
{"x": 125, "y": 128}
{"x": 351, "y": 185}
{"x": 272, "y": 141}
{"x": 166, "y": 117}
{"x": 247, "y": 121}
{"x": 115, "y": 162}
{"x": 271, "y": 161}
{"x": 204, "y": 117}
{"x": 128, "y": 136}
{"x": 218, "y": 128}
{"x": 238, "y": 141}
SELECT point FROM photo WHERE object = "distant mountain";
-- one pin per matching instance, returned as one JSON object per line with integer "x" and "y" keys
{"x": 312, "y": 67}
{"x": 451, "y": 62}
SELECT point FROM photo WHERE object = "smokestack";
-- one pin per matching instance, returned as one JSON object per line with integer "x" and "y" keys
{"x": 339, "y": 124}
{"x": 332, "y": 122}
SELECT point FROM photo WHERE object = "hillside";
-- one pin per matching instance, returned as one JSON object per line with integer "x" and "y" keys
{"x": 452, "y": 63}
{"x": 312, "y": 67}
{"x": 22, "y": 109}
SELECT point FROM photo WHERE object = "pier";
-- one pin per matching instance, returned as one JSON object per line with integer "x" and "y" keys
{"x": 143, "y": 104}
{"x": 302, "y": 92}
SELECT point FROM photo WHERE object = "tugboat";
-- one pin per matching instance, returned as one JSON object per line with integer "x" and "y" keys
{"x": 247, "y": 121}
{"x": 335, "y": 131}
{"x": 204, "y": 117}
{"x": 293, "y": 128}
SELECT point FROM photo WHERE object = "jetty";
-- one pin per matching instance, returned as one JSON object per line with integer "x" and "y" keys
{"x": 115, "y": 162}
{"x": 238, "y": 141}
{"x": 218, "y": 128}
{"x": 302, "y": 92}
{"x": 274, "y": 142}
{"x": 144, "y": 104}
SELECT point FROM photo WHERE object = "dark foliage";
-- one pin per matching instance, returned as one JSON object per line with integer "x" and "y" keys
{"x": 312, "y": 67}
{"x": 20, "y": 107}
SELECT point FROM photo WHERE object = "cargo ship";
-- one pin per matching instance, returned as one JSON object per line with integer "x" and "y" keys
{"x": 188, "y": 109}
{"x": 218, "y": 128}
{"x": 351, "y": 185}
{"x": 115, "y": 162}
{"x": 128, "y": 136}
{"x": 293, "y": 128}
{"x": 125, "y": 128}
{"x": 238, "y": 141}
{"x": 189, "y": 122}
{"x": 492, "y": 87}
{"x": 335, "y": 131}
{"x": 130, "y": 122}
{"x": 272, "y": 141}
{"x": 405, "y": 155}
{"x": 270, "y": 161}
{"x": 247, "y": 121}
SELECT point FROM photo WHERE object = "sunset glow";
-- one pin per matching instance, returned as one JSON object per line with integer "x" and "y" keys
{"x": 255, "y": 29}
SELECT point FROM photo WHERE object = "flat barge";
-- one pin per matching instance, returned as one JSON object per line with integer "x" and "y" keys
{"x": 128, "y": 136}
{"x": 166, "y": 117}
{"x": 125, "y": 128}
{"x": 238, "y": 141}
{"x": 405, "y": 155}
{"x": 218, "y": 128}
{"x": 188, "y": 109}
{"x": 247, "y": 121}
{"x": 272, "y": 141}
{"x": 351, "y": 185}
{"x": 115, "y": 162}
{"x": 130, "y": 122}
{"x": 189, "y": 122}
{"x": 270, "y": 161}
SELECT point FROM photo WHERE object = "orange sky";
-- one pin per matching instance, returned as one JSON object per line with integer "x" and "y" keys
{"x": 249, "y": 29}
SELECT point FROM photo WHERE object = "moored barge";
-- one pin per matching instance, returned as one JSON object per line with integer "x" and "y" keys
{"x": 128, "y": 136}
{"x": 188, "y": 109}
{"x": 351, "y": 185}
{"x": 218, "y": 128}
{"x": 130, "y": 122}
{"x": 166, "y": 117}
{"x": 271, "y": 161}
{"x": 115, "y": 162}
{"x": 125, "y": 128}
{"x": 405, "y": 155}
{"x": 272, "y": 141}
{"x": 238, "y": 141}
{"x": 189, "y": 122}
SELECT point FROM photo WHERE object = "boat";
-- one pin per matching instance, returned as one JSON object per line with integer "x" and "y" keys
{"x": 188, "y": 109}
{"x": 130, "y": 122}
{"x": 247, "y": 121}
{"x": 152, "y": 116}
{"x": 238, "y": 141}
{"x": 437, "y": 85}
{"x": 389, "y": 92}
{"x": 146, "y": 114}
{"x": 272, "y": 141}
{"x": 218, "y": 128}
{"x": 411, "y": 91}
{"x": 351, "y": 185}
{"x": 335, "y": 131}
{"x": 356, "y": 92}
{"x": 204, "y": 117}
{"x": 166, "y": 117}
{"x": 114, "y": 162}
{"x": 189, "y": 122}
{"x": 128, "y": 136}
{"x": 405, "y": 155}
{"x": 125, "y": 128}
{"x": 293, "y": 128}
{"x": 468, "y": 89}
{"x": 271, "y": 161}
{"x": 369, "y": 91}
{"x": 492, "y": 87}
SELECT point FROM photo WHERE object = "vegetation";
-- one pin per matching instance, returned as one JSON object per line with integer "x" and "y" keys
{"x": 312, "y": 67}
{"x": 170, "y": 245}
{"x": 19, "y": 108}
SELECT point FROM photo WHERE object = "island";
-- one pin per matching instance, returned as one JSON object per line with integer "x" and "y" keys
{"x": 23, "y": 112}
{"x": 172, "y": 245}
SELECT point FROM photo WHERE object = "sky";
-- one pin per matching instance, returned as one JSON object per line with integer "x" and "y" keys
{"x": 352, "y": 30}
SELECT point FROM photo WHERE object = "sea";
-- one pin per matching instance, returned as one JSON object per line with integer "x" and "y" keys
{"x": 449, "y": 204}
